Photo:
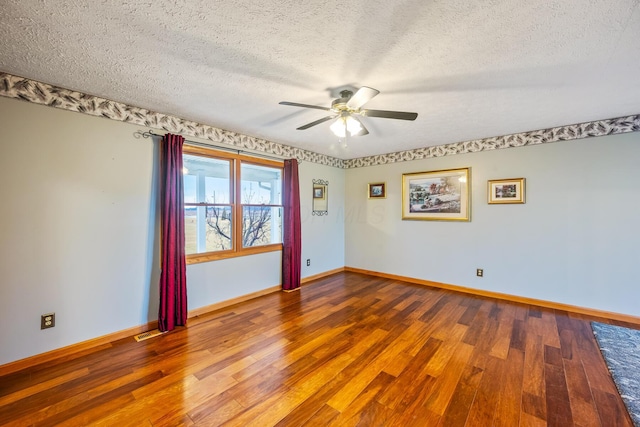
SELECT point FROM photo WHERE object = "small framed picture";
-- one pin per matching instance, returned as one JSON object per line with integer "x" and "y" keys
{"x": 378, "y": 190}
{"x": 318, "y": 192}
{"x": 505, "y": 191}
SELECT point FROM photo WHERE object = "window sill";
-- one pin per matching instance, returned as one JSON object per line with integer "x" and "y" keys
{"x": 214, "y": 256}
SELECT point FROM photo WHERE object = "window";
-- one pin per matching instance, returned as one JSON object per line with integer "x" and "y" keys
{"x": 232, "y": 204}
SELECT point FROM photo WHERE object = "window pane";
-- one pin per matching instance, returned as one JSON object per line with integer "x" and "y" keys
{"x": 261, "y": 185}
{"x": 189, "y": 188}
{"x": 261, "y": 225}
{"x": 206, "y": 180}
{"x": 207, "y": 228}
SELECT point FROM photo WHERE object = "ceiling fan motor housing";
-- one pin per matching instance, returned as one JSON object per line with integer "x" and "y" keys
{"x": 340, "y": 104}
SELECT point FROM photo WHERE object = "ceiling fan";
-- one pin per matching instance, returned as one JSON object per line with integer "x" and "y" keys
{"x": 346, "y": 109}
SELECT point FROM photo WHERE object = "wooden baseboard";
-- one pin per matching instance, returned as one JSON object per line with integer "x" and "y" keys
{"x": 75, "y": 350}
{"x": 223, "y": 304}
{"x": 321, "y": 275}
{"x": 217, "y": 306}
{"x": 94, "y": 344}
{"x": 85, "y": 347}
{"x": 507, "y": 297}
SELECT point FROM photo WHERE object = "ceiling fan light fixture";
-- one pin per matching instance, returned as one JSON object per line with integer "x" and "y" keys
{"x": 344, "y": 110}
{"x": 345, "y": 123}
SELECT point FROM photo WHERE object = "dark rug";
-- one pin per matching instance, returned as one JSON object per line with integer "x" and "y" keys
{"x": 621, "y": 350}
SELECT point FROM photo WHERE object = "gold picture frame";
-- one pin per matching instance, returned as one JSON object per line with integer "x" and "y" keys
{"x": 506, "y": 191}
{"x": 377, "y": 190}
{"x": 442, "y": 195}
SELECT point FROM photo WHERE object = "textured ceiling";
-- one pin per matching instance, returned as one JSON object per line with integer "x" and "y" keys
{"x": 470, "y": 69}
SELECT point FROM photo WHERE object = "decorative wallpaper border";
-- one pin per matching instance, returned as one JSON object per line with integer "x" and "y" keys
{"x": 52, "y": 96}
{"x": 543, "y": 136}
{"x": 45, "y": 94}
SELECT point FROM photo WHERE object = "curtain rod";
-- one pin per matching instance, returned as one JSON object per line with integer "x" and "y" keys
{"x": 149, "y": 134}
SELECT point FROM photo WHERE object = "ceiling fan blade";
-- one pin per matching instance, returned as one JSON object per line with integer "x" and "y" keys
{"x": 402, "y": 115}
{"x": 295, "y": 104}
{"x": 361, "y": 97}
{"x": 364, "y": 130}
{"x": 317, "y": 122}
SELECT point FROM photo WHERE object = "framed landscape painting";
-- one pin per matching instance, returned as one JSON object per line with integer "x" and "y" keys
{"x": 442, "y": 195}
{"x": 501, "y": 191}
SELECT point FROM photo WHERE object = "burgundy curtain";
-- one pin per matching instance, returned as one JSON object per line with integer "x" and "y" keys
{"x": 173, "y": 279}
{"x": 291, "y": 251}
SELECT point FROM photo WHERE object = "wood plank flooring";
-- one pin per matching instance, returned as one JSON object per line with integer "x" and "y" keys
{"x": 346, "y": 350}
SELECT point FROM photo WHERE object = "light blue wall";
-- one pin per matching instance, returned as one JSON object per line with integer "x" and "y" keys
{"x": 575, "y": 241}
{"x": 78, "y": 228}
{"x": 322, "y": 236}
{"x": 79, "y": 232}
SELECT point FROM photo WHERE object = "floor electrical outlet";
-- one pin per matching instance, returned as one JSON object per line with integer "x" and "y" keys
{"x": 308, "y": 262}
{"x": 479, "y": 272}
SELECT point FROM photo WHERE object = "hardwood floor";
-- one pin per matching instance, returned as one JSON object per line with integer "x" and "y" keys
{"x": 346, "y": 350}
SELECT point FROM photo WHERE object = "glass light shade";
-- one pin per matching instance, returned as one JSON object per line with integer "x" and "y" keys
{"x": 339, "y": 127}
{"x": 344, "y": 124}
